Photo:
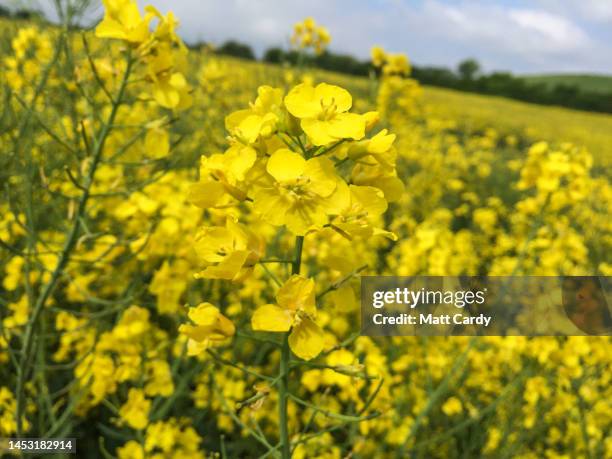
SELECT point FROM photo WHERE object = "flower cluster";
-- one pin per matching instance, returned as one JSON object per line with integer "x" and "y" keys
{"x": 284, "y": 161}
{"x": 161, "y": 50}
{"x": 308, "y": 35}
{"x": 390, "y": 63}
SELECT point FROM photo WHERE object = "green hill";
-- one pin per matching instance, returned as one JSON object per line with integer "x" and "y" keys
{"x": 589, "y": 83}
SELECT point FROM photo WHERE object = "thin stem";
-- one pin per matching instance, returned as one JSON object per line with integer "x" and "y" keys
{"x": 69, "y": 245}
{"x": 297, "y": 261}
{"x": 328, "y": 413}
{"x": 283, "y": 386}
{"x": 336, "y": 285}
{"x": 245, "y": 370}
{"x": 440, "y": 391}
{"x": 282, "y": 398}
{"x": 271, "y": 274}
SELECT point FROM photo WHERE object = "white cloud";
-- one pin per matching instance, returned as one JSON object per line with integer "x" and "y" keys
{"x": 507, "y": 37}
{"x": 553, "y": 32}
{"x": 525, "y": 31}
{"x": 597, "y": 11}
{"x": 545, "y": 36}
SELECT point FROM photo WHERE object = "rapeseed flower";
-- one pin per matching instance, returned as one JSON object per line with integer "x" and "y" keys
{"x": 295, "y": 311}
{"x": 300, "y": 193}
{"x": 323, "y": 113}
{"x": 211, "y": 327}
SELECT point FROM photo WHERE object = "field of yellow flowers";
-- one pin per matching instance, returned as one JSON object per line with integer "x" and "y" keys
{"x": 182, "y": 235}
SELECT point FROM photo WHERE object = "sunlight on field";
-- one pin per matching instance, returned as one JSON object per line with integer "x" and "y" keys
{"x": 474, "y": 111}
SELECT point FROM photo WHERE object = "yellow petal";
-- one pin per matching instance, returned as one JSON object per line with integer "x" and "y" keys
{"x": 304, "y": 216}
{"x": 233, "y": 120}
{"x": 306, "y": 339}
{"x": 268, "y": 99}
{"x": 371, "y": 199}
{"x": 205, "y": 194}
{"x": 157, "y": 143}
{"x": 196, "y": 347}
{"x": 347, "y": 126}
{"x": 381, "y": 142}
{"x": 302, "y": 102}
{"x": 213, "y": 242}
{"x": 110, "y": 28}
{"x": 204, "y": 314}
{"x": 165, "y": 94}
{"x": 239, "y": 160}
{"x": 339, "y": 201}
{"x": 228, "y": 268}
{"x": 322, "y": 175}
{"x": 270, "y": 317}
{"x": 317, "y": 131}
{"x": 249, "y": 128}
{"x": 393, "y": 188}
{"x": 297, "y": 293}
{"x": 225, "y": 327}
{"x": 285, "y": 165}
{"x": 371, "y": 118}
{"x": 329, "y": 94}
{"x": 388, "y": 234}
{"x": 271, "y": 205}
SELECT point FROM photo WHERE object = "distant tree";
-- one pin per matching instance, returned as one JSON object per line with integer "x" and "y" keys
{"x": 236, "y": 49}
{"x": 341, "y": 63}
{"x": 274, "y": 55}
{"x": 468, "y": 69}
{"x": 199, "y": 45}
{"x": 27, "y": 14}
{"x": 4, "y": 12}
{"x": 437, "y": 76}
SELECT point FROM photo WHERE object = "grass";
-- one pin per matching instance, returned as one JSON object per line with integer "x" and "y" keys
{"x": 536, "y": 122}
{"x": 591, "y": 83}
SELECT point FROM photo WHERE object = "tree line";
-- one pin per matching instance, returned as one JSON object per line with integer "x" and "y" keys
{"x": 466, "y": 77}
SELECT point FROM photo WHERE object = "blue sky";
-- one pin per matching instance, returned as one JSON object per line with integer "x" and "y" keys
{"x": 518, "y": 35}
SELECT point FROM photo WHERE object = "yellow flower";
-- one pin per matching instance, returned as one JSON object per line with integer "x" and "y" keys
{"x": 222, "y": 176}
{"x": 20, "y": 314}
{"x": 159, "y": 378}
{"x": 157, "y": 142}
{"x": 379, "y": 147}
{"x": 123, "y": 21}
{"x": 302, "y": 194}
{"x": 133, "y": 324}
{"x": 381, "y": 177}
{"x": 229, "y": 252}
{"x": 211, "y": 327}
{"x": 364, "y": 204}
{"x": 323, "y": 113}
{"x": 452, "y": 406}
{"x": 171, "y": 90}
{"x": 307, "y": 34}
{"x": 131, "y": 450}
{"x": 378, "y": 56}
{"x": 260, "y": 120}
{"x": 166, "y": 28}
{"x": 295, "y": 310}
{"x": 397, "y": 64}
{"x": 391, "y": 64}
{"x": 135, "y": 412}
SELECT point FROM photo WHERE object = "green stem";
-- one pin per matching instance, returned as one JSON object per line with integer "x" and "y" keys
{"x": 282, "y": 398}
{"x": 64, "y": 257}
{"x": 297, "y": 261}
{"x": 283, "y": 383}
